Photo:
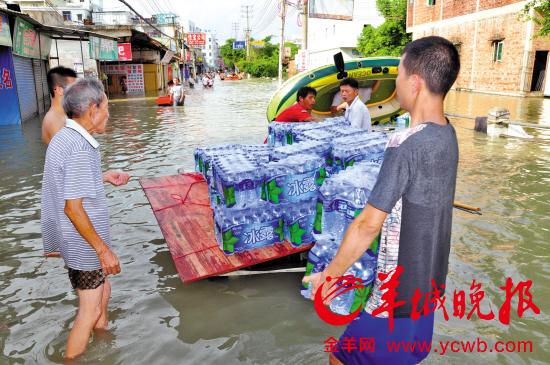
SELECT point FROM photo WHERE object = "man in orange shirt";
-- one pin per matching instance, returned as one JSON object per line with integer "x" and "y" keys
{"x": 300, "y": 111}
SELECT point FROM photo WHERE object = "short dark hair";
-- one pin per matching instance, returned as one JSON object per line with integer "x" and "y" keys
{"x": 304, "y": 92}
{"x": 57, "y": 76}
{"x": 436, "y": 60}
{"x": 350, "y": 81}
{"x": 170, "y": 82}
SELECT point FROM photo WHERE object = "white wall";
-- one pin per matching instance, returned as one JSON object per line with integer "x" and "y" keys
{"x": 327, "y": 36}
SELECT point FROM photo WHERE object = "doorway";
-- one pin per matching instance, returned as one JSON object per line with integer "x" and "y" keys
{"x": 539, "y": 70}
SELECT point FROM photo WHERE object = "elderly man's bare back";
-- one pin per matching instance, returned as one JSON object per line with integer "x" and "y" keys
{"x": 51, "y": 124}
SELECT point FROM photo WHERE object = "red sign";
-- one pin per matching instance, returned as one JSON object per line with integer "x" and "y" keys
{"x": 196, "y": 39}
{"x": 124, "y": 52}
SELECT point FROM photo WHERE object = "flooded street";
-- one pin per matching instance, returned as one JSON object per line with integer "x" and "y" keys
{"x": 155, "y": 319}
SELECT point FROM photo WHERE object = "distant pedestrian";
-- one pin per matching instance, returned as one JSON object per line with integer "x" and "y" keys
{"x": 178, "y": 94}
{"x": 123, "y": 86}
{"x": 75, "y": 215}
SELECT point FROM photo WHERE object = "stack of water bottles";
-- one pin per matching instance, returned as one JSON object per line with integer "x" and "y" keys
{"x": 342, "y": 198}
{"x": 293, "y": 183}
{"x": 346, "y": 151}
{"x": 282, "y": 134}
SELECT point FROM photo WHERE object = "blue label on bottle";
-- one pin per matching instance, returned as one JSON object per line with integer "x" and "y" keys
{"x": 246, "y": 237}
{"x": 292, "y": 188}
{"x": 300, "y": 231}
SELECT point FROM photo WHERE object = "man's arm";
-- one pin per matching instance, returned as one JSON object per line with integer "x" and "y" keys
{"x": 116, "y": 178}
{"x": 358, "y": 238}
{"x": 81, "y": 221}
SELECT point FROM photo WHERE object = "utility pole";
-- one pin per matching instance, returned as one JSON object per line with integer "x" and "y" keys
{"x": 247, "y": 13}
{"x": 305, "y": 14}
{"x": 236, "y": 30}
{"x": 282, "y": 44}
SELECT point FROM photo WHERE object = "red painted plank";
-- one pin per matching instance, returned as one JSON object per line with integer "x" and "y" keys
{"x": 181, "y": 206}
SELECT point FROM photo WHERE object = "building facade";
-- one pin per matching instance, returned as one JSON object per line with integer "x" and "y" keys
{"x": 328, "y": 34}
{"x": 498, "y": 49}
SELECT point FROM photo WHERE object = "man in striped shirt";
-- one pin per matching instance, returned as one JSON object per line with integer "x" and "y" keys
{"x": 75, "y": 216}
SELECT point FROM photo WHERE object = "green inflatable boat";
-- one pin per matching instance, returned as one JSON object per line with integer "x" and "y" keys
{"x": 383, "y": 105}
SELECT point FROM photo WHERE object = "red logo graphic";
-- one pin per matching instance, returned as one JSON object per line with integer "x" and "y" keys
{"x": 433, "y": 300}
{"x": 340, "y": 286}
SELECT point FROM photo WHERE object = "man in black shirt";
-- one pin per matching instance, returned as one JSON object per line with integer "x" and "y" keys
{"x": 412, "y": 204}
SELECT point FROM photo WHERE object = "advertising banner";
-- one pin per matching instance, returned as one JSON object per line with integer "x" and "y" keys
{"x": 27, "y": 43}
{"x": 8, "y": 90}
{"x": 239, "y": 45}
{"x": 258, "y": 44}
{"x": 167, "y": 57}
{"x": 5, "y": 35}
{"x": 331, "y": 9}
{"x": 135, "y": 83}
{"x": 196, "y": 39}
{"x": 103, "y": 49}
{"x": 124, "y": 52}
{"x": 302, "y": 60}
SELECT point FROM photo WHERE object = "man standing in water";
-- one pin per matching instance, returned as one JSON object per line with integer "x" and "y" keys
{"x": 58, "y": 79}
{"x": 415, "y": 187}
{"x": 75, "y": 216}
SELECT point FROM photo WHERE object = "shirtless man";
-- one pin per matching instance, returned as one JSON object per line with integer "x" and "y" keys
{"x": 58, "y": 79}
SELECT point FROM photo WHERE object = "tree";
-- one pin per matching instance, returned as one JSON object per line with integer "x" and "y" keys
{"x": 263, "y": 62}
{"x": 390, "y": 38}
{"x": 541, "y": 16}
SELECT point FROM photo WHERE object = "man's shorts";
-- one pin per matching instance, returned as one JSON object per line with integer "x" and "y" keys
{"x": 375, "y": 332}
{"x": 86, "y": 280}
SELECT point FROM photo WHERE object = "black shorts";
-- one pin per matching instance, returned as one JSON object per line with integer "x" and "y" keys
{"x": 86, "y": 280}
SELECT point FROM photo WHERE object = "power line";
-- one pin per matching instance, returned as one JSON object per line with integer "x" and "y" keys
{"x": 145, "y": 20}
{"x": 235, "y": 27}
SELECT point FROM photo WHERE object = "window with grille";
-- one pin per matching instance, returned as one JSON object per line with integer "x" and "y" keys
{"x": 431, "y": 2}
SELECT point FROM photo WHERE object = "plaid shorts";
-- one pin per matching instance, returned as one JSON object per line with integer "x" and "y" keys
{"x": 85, "y": 280}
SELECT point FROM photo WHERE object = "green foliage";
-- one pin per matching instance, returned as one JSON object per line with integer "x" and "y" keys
{"x": 390, "y": 38}
{"x": 263, "y": 62}
{"x": 541, "y": 16}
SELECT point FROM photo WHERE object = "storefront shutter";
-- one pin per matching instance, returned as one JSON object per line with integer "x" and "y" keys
{"x": 41, "y": 84}
{"x": 25, "y": 87}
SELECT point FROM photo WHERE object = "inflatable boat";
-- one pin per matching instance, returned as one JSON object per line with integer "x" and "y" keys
{"x": 383, "y": 104}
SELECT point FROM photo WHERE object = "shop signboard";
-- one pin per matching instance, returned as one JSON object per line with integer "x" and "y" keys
{"x": 28, "y": 42}
{"x": 124, "y": 51}
{"x": 5, "y": 36}
{"x": 331, "y": 9}
{"x": 103, "y": 49}
{"x": 8, "y": 91}
{"x": 196, "y": 39}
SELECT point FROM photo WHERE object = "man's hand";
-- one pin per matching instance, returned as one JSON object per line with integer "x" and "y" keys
{"x": 342, "y": 106}
{"x": 109, "y": 261}
{"x": 116, "y": 178}
{"x": 316, "y": 280}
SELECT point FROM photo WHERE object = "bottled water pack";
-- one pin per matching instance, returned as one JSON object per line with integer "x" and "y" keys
{"x": 364, "y": 270}
{"x": 299, "y": 222}
{"x": 293, "y": 179}
{"x": 243, "y": 229}
{"x": 238, "y": 180}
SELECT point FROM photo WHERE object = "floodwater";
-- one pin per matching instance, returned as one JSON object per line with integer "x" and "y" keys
{"x": 155, "y": 319}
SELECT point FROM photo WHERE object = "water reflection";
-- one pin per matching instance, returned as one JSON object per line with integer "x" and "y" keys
{"x": 155, "y": 318}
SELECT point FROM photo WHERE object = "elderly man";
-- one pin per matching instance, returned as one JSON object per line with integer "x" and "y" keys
{"x": 75, "y": 216}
